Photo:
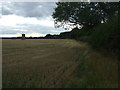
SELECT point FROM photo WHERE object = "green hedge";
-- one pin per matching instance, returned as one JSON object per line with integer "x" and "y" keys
{"x": 106, "y": 35}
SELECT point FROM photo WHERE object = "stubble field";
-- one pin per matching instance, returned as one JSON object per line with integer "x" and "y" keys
{"x": 56, "y": 63}
{"x": 39, "y": 63}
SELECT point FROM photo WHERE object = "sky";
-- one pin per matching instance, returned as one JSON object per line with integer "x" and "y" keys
{"x": 30, "y": 18}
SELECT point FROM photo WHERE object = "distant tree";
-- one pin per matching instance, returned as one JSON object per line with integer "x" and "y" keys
{"x": 48, "y": 36}
{"x": 65, "y": 35}
{"x": 84, "y": 14}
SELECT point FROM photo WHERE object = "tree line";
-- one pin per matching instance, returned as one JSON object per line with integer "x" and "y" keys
{"x": 96, "y": 23}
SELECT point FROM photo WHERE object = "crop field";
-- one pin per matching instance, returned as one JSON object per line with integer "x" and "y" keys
{"x": 42, "y": 63}
{"x": 56, "y": 63}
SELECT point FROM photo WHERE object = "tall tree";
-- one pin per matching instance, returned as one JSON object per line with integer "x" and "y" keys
{"x": 84, "y": 14}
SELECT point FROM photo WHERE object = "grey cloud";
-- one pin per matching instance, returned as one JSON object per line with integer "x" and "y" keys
{"x": 41, "y": 29}
{"x": 30, "y": 28}
{"x": 6, "y": 11}
{"x": 29, "y": 9}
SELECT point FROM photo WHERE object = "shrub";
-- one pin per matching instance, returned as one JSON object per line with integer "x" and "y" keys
{"x": 106, "y": 35}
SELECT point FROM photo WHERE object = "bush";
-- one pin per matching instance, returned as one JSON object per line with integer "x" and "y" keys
{"x": 106, "y": 35}
{"x": 80, "y": 34}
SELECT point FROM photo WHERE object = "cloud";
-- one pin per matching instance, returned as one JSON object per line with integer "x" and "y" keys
{"x": 13, "y": 24}
{"x": 28, "y": 9}
{"x": 14, "y": 20}
{"x": 31, "y": 18}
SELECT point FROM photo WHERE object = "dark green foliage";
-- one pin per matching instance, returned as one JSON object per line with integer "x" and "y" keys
{"x": 85, "y": 13}
{"x": 49, "y": 36}
{"x": 76, "y": 34}
{"x": 106, "y": 36}
{"x": 65, "y": 35}
{"x": 81, "y": 34}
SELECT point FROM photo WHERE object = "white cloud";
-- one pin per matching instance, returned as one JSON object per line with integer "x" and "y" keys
{"x": 10, "y": 35}
{"x": 14, "y": 20}
{"x": 34, "y": 34}
{"x": 33, "y": 19}
{"x": 20, "y": 30}
{"x": 13, "y": 25}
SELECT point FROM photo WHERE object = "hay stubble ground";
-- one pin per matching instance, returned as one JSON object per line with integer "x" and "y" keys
{"x": 56, "y": 63}
{"x": 39, "y": 63}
